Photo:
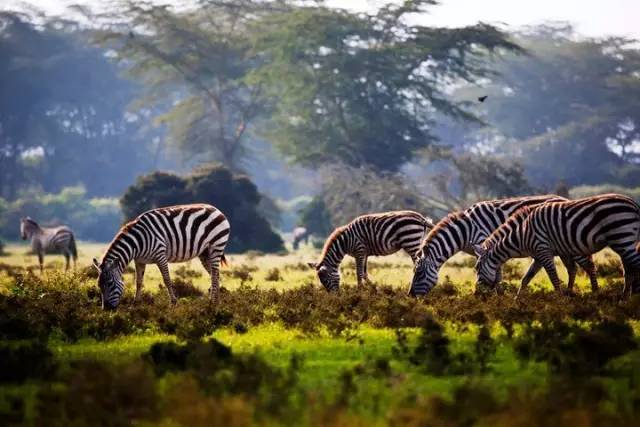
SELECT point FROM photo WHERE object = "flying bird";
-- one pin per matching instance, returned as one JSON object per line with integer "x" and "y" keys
{"x": 482, "y": 98}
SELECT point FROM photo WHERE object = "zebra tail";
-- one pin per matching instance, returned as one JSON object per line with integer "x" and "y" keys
{"x": 223, "y": 261}
{"x": 72, "y": 246}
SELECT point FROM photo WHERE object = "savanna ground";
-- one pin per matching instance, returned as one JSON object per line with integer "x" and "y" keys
{"x": 279, "y": 350}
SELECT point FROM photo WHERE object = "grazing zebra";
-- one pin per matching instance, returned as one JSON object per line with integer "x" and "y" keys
{"x": 49, "y": 240}
{"x": 162, "y": 236}
{"x": 370, "y": 235}
{"x": 460, "y": 231}
{"x": 570, "y": 228}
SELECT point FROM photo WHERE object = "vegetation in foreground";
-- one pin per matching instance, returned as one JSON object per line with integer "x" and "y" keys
{"x": 303, "y": 356}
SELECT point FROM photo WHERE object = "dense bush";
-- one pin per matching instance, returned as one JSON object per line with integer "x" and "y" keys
{"x": 235, "y": 195}
{"x": 90, "y": 219}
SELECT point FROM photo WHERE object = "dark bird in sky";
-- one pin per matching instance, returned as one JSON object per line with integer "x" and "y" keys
{"x": 482, "y": 98}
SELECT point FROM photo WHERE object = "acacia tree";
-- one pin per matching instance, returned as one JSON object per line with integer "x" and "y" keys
{"x": 192, "y": 63}
{"x": 363, "y": 88}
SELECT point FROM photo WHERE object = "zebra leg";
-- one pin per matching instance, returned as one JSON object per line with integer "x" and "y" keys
{"x": 211, "y": 262}
{"x": 571, "y": 267}
{"x": 534, "y": 267}
{"x": 66, "y": 258}
{"x": 631, "y": 265}
{"x": 546, "y": 260}
{"x": 163, "y": 266}
{"x": 360, "y": 261}
{"x": 41, "y": 261}
{"x": 366, "y": 273}
{"x": 140, "y": 267}
{"x": 586, "y": 263}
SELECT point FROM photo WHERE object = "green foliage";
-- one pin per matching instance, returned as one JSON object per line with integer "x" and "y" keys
{"x": 90, "y": 219}
{"x": 234, "y": 194}
{"x": 575, "y": 351}
{"x": 316, "y": 218}
{"x": 348, "y": 192}
{"x": 152, "y": 191}
{"x": 63, "y": 111}
{"x": 363, "y": 88}
{"x": 199, "y": 92}
{"x": 569, "y": 110}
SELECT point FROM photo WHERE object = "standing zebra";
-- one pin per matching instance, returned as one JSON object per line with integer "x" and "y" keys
{"x": 461, "y": 231}
{"x": 570, "y": 228}
{"x": 370, "y": 235}
{"x": 300, "y": 234}
{"x": 49, "y": 240}
{"x": 161, "y": 236}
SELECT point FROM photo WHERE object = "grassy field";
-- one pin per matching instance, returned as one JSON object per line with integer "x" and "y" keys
{"x": 290, "y": 271}
{"x": 279, "y": 350}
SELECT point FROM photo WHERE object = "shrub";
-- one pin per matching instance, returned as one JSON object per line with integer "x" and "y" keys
{"x": 90, "y": 219}
{"x": 235, "y": 195}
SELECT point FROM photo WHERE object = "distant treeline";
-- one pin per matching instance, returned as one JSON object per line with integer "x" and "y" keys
{"x": 298, "y": 96}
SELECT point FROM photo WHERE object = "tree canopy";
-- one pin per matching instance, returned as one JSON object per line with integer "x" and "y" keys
{"x": 364, "y": 89}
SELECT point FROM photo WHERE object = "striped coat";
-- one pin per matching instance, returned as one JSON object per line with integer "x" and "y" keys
{"x": 49, "y": 240}
{"x": 570, "y": 228}
{"x": 162, "y": 236}
{"x": 370, "y": 235}
{"x": 461, "y": 231}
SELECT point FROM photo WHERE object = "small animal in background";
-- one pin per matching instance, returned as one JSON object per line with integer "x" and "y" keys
{"x": 49, "y": 240}
{"x": 300, "y": 234}
{"x": 370, "y": 235}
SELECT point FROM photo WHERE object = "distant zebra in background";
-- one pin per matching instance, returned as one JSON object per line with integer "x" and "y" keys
{"x": 162, "y": 236}
{"x": 461, "y": 231}
{"x": 370, "y": 235}
{"x": 49, "y": 240}
{"x": 300, "y": 234}
{"x": 571, "y": 228}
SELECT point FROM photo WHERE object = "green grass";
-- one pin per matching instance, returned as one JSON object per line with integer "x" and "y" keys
{"x": 324, "y": 358}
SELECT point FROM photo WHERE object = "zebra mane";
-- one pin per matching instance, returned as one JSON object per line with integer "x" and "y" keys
{"x": 31, "y": 222}
{"x": 442, "y": 224}
{"x": 122, "y": 232}
{"x": 513, "y": 221}
{"x": 330, "y": 240}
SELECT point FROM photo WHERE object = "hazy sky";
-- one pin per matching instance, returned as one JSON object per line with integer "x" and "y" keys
{"x": 591, "y": 17}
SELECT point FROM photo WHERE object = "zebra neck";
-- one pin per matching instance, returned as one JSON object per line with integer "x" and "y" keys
{"x": 121, "y": 253}
{"x": 334, "y": 254}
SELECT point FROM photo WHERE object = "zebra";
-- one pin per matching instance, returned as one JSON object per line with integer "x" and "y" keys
{"x": 370, "y": 235}
{"x": 49, "y": 240}
{"x": 162, "y": 236}
{"x": 300, "y": 234}
{"x": 570, "y": 228}
{"x": 460, "y": 231}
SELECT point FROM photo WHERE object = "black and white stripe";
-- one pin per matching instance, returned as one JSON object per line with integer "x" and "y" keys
{"x": 461, "y": 231}
{"x": 370, "y": 235}
{"x": 570, "y": 228}
{"x": 162, "y": 236}
{"x": 49, "y": 240}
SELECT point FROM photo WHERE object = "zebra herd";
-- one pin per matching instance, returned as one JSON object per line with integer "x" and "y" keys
{"x": 540, "y": 227}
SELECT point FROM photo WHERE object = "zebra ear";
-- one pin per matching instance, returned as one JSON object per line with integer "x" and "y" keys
{"x": 312, "y": 265}
{"x": 96, "y": 264}
{"x": 479, "y": 250}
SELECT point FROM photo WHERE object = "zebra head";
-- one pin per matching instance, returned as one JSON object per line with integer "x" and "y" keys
{"x": 27, "y": 227}
{"x": 329, "y": 277}
{"x": 487, "y": 270}
{"x": 425, "y": 276}
{"x": 110, "y": 283}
